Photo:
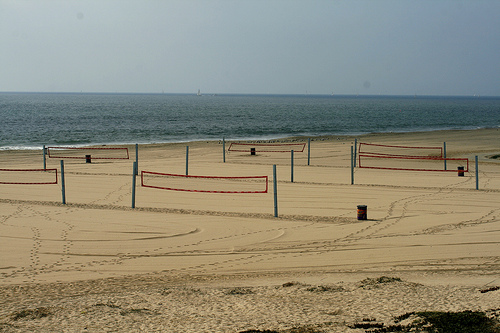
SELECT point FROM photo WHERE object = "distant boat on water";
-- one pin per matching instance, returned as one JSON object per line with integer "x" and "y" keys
{"x": 199, "y": 93}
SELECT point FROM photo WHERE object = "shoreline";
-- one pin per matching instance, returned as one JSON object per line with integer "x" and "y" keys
{"x": 291, "y": 138}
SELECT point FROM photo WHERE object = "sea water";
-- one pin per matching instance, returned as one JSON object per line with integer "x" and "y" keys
{"x": 31, "y": 120}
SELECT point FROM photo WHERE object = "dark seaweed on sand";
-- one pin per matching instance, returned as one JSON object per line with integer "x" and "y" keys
{"x": 438, "y": 322}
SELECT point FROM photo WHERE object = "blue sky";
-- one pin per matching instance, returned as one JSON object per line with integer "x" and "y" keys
{"x": 396, "y": 47}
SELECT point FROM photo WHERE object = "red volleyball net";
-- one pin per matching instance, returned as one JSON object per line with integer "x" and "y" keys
{"x": 388, "y": 150}
{"x": 28, "y": 176}
{"x": 208, "y": 184}
{"x": 392, "y": 157}
{"x": 267, "y": 147}
{"x": 101, "y": 153}
{"x": 413, "y": 163}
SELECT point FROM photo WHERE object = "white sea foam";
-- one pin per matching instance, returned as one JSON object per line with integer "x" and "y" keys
{"x": 21, "y": 148}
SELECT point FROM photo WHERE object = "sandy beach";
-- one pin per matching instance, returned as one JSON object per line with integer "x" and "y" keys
{"x": 183, "y": 261}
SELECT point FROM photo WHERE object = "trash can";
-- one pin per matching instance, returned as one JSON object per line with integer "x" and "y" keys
{"x": 460, "y": 171}
{"x": 362, "y": 212}
{"x": 88, "y": 159}
{"x": 252, "y": 151}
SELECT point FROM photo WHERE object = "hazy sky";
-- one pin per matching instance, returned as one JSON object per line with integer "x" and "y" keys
{"x": 425, "y": 47}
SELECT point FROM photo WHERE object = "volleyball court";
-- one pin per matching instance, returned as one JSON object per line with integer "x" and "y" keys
{"x": 101, "y": 153}
{"x": 392, "y": 157}
{"x": 28, "y": 176}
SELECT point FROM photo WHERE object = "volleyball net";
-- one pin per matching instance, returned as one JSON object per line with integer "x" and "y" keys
{"x": 28, "y": 176}
{"x": 404, "y": 151}
{"x": 412, "y": 163}
{"x": 391, "y": 157}
{"x": 207, "y": 184}
{"x": 101, "y": 153}
{"x": 267, "y": 147}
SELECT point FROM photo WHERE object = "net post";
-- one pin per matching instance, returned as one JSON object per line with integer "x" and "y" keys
{"x": 134, "y": 173}
{"x": 63, "y": 185}
{"x": 444, "y": 155}
{"x": 223, "y": 150}
{"x": 352, "y": 165}
{"x": 309, "y": 151}
{"x": 137, "y": 159}
{"x": 187, "y": 159}
{"x": 355, "y": 150}
{"x": 44, "y": 158}
{"x": 477, "y": 173}
{"x": 291, "y": 166}
{"x": 275, "y": 188}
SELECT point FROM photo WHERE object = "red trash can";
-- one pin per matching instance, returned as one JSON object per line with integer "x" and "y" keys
{"x": 362, "y": 212}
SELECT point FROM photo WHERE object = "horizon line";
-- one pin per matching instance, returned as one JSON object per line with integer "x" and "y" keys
{"x": 240, "y": 94}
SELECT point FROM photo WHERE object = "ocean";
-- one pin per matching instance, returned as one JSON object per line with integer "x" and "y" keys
{"x": 31, "y": 120}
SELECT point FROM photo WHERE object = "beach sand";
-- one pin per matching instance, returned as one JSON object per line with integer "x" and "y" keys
{"x": 222, "y": 262}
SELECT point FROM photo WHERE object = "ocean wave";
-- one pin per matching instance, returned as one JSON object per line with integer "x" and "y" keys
{"x": 30, "y": 121}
